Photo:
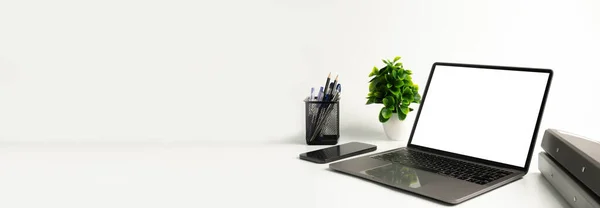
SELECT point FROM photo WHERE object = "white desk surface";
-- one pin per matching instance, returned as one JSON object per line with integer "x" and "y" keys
{"x": 212, "y": 175}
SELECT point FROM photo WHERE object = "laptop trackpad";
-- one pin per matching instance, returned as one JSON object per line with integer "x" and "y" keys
{"x": 399, "y": 175}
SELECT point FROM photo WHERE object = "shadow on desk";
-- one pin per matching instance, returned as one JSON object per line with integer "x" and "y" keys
{"x": 550, "y": 189}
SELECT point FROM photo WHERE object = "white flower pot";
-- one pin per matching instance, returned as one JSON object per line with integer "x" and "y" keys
{"x": 396, "y": 129}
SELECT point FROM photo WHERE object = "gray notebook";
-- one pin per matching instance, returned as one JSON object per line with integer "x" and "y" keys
{"x": 578, "y": 155}
{"x": 569, "y": 188}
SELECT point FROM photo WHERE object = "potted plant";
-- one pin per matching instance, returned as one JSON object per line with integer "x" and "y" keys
{"x": 393, "y": 87}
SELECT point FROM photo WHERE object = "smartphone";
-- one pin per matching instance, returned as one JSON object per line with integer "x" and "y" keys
{"x": 337, "y": 152}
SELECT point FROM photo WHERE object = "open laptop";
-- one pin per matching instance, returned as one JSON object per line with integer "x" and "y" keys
{"x": 475, "y": 131}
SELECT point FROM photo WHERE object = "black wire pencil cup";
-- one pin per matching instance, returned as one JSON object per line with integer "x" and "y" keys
{"x": 323, "y": 119}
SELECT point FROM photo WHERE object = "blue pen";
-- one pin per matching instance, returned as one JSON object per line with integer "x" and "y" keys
{"x": 320, "y": 94}
{"x": 333, "y": 85}
{"x": 338, "y": 89}
{"x": 312, "y": 90}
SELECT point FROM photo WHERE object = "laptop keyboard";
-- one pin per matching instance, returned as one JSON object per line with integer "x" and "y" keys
{"x": 458, "y": 169}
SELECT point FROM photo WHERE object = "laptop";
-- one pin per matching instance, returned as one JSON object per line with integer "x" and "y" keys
{"x": 475, "y": 131}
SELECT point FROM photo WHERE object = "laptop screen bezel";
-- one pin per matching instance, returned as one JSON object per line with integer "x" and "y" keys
{"x": 475, "y": 159}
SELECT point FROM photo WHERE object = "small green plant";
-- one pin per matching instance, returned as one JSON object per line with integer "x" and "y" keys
{"x": 392, "y": 86}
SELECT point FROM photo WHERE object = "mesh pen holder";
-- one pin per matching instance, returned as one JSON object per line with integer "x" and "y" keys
{"x": 322, "y": 122}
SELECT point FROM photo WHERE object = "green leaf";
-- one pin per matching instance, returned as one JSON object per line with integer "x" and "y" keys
{"x": 396, "y": 58}
{"x": 395, "y": 90}
{"x": 394, "y": 74}
{"x": 372, "y": 86}
{"x": 373, "y": 79}
{"x": 409, "y": 97}
{"x": 382, "y": 119}
{"x": 388, "y": 101}
{"x": 409, "y": 72}
{"x": 405, "y": 102}
{"x": 382, "y": 87}
{"x": 401, "y": 116}
{"x": 374, "y": 71}
{"x": 417, "y": 98}
{"x": 399, "y": 83}
{"x": 370, "y": 101}
{"x": 389, "y": 63}
{"x": 383, "y": 70}
{"x": 386, "y": 113}
{"x": 405, "y": 76}
{"x": 404, "y": 109}
{"x": 389, "y": 85}
{"x": 401, "y": 75}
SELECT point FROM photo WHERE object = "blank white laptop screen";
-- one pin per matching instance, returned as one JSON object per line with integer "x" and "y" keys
{"x": 484, "y": 113}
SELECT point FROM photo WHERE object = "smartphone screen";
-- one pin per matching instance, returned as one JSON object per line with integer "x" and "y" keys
{"x": 337, "y": 152}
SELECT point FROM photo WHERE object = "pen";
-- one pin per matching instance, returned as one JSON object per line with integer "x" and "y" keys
{"x": 326, "y": 85}
{"x": 334, "y": 84}
{"x": 320, "y": 94}
{"x": 315, "y": 114}
{"x": 312, "y": 90}
{"x": 322, "y": 97}
{"x": 338, "y": 89}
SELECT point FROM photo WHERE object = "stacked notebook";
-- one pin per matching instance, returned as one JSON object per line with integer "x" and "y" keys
{"x": 571, "y": 163}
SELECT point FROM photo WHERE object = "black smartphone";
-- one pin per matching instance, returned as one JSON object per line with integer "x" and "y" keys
{"x": 337, "y": 152}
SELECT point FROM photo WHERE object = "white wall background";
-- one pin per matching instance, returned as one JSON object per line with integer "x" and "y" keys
{"x": 238, "y": 70}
